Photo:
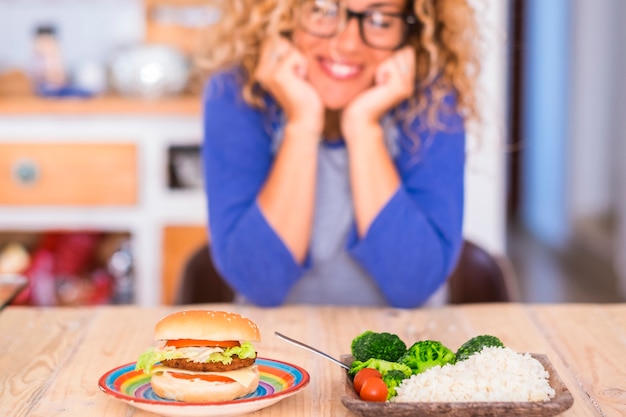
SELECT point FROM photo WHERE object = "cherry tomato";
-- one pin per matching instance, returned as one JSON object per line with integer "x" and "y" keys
{"x": 180, "y": 343}
{"x": 362, "y": 375}
{"x": 374, "y": 389}
{"x": 208, "y": 378}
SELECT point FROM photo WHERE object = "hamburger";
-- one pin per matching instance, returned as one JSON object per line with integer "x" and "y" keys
{"x": 202, "y": 356}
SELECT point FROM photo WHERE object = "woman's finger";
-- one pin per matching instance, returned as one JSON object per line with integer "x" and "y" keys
{"x": 405, "y": 62}
{"x": 272, "y": 54}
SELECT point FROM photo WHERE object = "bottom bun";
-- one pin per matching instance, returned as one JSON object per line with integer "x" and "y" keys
{"x": 197, "y": 390}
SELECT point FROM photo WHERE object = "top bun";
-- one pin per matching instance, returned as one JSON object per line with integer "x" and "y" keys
{"x": 206, "y": 325}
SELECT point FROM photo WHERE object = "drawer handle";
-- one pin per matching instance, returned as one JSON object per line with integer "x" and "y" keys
{"x": 25, "y": 172}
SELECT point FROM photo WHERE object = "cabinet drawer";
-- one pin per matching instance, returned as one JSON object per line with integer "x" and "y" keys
{"x": 68, "y": 174}
{"x": 179, "y": 245}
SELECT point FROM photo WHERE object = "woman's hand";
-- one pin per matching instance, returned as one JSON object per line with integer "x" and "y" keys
{"x": 394, "y": 82}
{"x": 282, "y": 72}
{"x": 287, "y": 198}
{"x": 373, "y": 176}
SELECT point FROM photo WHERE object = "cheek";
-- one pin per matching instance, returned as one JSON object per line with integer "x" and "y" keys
{"x": 303, "y": 41}
{"x": 379, "y": 55}
{"x": 308, "y": 46}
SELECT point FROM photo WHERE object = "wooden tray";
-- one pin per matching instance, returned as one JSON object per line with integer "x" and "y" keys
{"x": 558, "y": 404}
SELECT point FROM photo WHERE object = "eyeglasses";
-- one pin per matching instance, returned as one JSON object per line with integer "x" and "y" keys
{"x": 378, "y": 29}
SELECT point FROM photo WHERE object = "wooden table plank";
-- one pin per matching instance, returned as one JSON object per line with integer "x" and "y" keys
{"x": 111, "y": 339}
{"x": 40, "y": 349}
{"x": 590, "y": 340}
{"x": 54, "y": 357}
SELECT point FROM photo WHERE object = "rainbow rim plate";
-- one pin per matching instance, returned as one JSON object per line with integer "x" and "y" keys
{"x": 277, "y": 381}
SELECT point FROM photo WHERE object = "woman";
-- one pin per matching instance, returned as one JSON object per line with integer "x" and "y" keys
{"x": 334, "y": 147}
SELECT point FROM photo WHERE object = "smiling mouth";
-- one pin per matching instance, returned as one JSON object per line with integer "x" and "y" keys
{"x": 340, "y": 71}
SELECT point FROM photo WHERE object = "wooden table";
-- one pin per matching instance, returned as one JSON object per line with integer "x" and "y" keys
{"x": 51, "y": 359}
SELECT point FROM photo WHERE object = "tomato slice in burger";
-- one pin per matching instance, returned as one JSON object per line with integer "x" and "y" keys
{"x": 180, "y": 343}
{"x": 208, "y": 378}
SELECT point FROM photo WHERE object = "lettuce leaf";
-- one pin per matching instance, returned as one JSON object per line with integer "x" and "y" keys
{"x": 151, "y": 357}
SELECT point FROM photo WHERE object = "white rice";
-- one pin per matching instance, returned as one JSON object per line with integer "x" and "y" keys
{"x": 494, "y": 374}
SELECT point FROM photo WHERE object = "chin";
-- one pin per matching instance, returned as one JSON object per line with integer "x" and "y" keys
{"x": 338, "y": 95}
{"x": 338, "y": 100}
{"x": 334, "y": 106}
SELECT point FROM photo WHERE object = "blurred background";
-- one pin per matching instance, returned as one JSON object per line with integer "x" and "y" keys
{"x": 100, "y": 185}
{"x": 566, "y": 200}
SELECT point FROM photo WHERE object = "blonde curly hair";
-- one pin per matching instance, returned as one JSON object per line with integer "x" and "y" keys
{"x": 447, "y": 51}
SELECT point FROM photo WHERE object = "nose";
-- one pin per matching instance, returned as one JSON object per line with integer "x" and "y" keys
{"x": 348, "y": 38}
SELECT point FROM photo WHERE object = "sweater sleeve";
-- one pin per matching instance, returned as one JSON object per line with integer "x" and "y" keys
{"x": 237, "y": 157}
{"x": 414, "y": 242}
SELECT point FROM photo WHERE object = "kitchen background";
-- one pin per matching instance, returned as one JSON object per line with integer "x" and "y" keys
{"x": 100, "y": 199}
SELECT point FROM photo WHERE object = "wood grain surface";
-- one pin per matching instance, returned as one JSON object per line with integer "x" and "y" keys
{"x": 51, "y": 358}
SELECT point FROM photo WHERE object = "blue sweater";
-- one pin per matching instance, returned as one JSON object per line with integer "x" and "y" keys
{"x": 409, "y": 249}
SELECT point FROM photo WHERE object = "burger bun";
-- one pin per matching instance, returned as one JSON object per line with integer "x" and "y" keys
{"x": 200, "y": 391}
{"x": 206, "y": 325}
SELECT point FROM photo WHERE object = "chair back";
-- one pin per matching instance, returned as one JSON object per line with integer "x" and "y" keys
{"x": 201, "y": 283}
{"x": 481, "y": 277}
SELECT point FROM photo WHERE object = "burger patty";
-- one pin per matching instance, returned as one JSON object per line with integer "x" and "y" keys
{"x": 183, "y": 363}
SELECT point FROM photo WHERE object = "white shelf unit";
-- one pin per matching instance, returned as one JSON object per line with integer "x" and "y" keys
{"x": 156, "y": 206}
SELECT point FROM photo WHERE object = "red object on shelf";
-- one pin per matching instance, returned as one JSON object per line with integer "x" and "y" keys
{"x": 64, "y": 271}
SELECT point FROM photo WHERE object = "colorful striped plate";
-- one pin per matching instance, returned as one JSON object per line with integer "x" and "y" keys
{"x": 278, "y": 380}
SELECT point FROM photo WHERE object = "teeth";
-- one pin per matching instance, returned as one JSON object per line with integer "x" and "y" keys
{"x": 341, "y": 70}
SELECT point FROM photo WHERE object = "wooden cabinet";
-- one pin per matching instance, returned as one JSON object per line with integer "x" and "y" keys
{"x": 102, "y": 164}
{"x": 68, "y": 173}
{"x": 179, "y": 245}
{"x": 168, "y": 22}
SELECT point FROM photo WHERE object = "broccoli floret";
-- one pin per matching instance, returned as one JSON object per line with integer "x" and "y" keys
{"x": 425, "y": 354}
{"x": 381, "y": 365}
{"x": 475, "y": 345}
{"x": 393, "y": 379}
{"x": 385, "y": 346}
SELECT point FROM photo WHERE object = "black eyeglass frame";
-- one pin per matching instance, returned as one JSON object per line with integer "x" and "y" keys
{"x": 410, "y": 20}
